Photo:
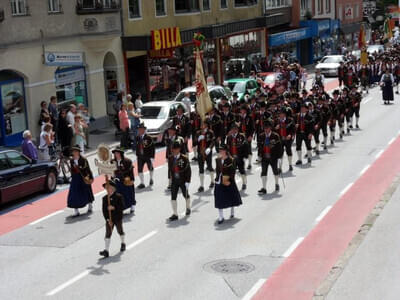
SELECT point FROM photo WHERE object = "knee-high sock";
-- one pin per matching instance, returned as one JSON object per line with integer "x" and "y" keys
{"x": 357, "y": 120}
{"x": 188, "y": 203}
{"x": 122, "y": 236}
{"x": 174, "y": 205}
{"x": 264, "y": 181}
{"x": 250, "y": 158}
{"x": 212, "y": 174}
{"x": 220, "y": 214}
{"x": 290, "y": 160}
{"x": 309, "y": 154}
{"x": 151, "y": 175}
{"x": 194, "y": 151}
{"x": 325, "y": 140}
{"x": 299, "y": 155}
{"x": 141, "y": 176}
{"x": 244, "y": 179}
{"x": 107, "y": 244}
{"x": 276, "y": 179}
{"x": 317, "y": 146}
{"x": 201, "y": 179}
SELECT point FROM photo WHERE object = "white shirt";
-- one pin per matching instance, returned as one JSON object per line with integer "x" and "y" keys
{"x": 43, "y": 145}
{"x": 138, "y": 103}
{"x": 71, "y": 118}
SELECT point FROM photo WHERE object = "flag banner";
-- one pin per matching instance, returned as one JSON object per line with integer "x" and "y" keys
{"x": 204, "y": 104}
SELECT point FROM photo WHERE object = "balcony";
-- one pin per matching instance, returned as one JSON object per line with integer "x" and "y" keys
{"x": 86, "y": 7}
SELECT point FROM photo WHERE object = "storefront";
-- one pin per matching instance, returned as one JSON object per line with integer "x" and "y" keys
{"x": 71, "y": 87}
{"x": 335, "y": 35}
{"x": 349, "y": 35}
{"x": 13, "y": 117}
{"x": 295, "y": 42}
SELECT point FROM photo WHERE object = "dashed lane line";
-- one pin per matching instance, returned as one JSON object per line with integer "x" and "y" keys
{"x": 254, "y": 289}
{"x": 323, "y": 214}
{"x": 293, "y": 247}
{"x": 46, "y": 217}
{"x": 379, "y": 154}
{"x": 346, "y": 189}
{"x": 364, "y": 170}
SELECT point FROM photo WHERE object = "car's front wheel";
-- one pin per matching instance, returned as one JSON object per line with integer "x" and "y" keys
{"x": 51, "y": 181}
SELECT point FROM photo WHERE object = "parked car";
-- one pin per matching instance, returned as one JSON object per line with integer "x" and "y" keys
{"x": 329, "y": 64}
{"x": 19, "y": 177}
{"x": 216, "y": 92}
{"x": 157, "y": 117}
{"x": 241, "y": 86}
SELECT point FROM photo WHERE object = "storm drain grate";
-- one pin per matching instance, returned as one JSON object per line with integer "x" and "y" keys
{"x": 231, "y": 267}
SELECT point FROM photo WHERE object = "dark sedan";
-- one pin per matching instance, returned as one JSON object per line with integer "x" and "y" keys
{"x": 19, "y": 177}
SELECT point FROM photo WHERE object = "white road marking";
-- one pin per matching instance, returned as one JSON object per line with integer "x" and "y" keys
{"x": 378, "y": 154}
{"x": 141, "y": 240}
{"x": 293, "y": 247}
{"x": 46, "y": 217}
{"x": 159, "y": 167}
{"x": 68, "y": 283}
{"x": 254, "y": 289}
{"x": 391, "y": 141}
{"x": 366, "y": 100}
{"x": 346, "y": 189}
{"x": 364, "y": 170}
{"x": 323, "y": 214}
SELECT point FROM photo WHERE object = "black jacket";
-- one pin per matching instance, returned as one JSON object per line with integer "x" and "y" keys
{"x": 179, "y": 169}
{"x": 116, "y": 200}
{"x": 124, "y": 169}
{"x": 228, "y": 168}
{"x": 145, "y": 147}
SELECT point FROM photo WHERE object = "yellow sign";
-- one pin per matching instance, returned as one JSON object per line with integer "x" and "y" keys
{"x": 166, "y": 38}
{"x": 364, "y": 57}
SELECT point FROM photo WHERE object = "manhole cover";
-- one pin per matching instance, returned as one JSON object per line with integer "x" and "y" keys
{"x": 232, "y": 267}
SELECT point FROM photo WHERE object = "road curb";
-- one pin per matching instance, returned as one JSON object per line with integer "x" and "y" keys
{"x": 325, "y": 287}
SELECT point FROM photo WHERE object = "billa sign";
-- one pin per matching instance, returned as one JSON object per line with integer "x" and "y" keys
{"x": 164, "y": 53}
{"x": 166, "y": 38}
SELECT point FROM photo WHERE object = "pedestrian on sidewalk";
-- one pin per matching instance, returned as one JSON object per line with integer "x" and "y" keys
{"x": 124, "y": 126}
{"x": 145, "y": 153}
{"x": 28, "y": 147}
{"x": 44, "y": 113}
{"x": 53, "y": 112}
{"x": 79, "y": 134}
{"x": 71, "y": 115}
{"x": 46, "y": 141}
{"x": 85, "y": 120}
{"x": 138, "y": 101}
{"x": 134, "y": 121}
{"x": 80, "y": 191}
{"x": 64, "y": 130}
{"x": 226, "y": 193}
{"x": 113, "y": 214}
{"x": 180, "y": 172}
{"x": 124, "y": 178}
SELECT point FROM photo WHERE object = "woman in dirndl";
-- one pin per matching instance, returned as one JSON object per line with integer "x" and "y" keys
{"x": 386, "y": 83}
{"x": 80, "y": 191}
{"x": 124, "y": 178}
{"x": 226, "y": 193}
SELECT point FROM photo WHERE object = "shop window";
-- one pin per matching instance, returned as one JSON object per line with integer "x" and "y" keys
{"x": 206, "y": 5}
{"x": 134, "y": 9}
{"x": 160, "y": 8}
{"x": 239, "y": 3}
{"x": 328, "y": 6}
{"x": 54, "y": 6}
{"x": 185, "y": 6}
{"x": 71, "y": 86}
{"x": 19, "y": 8}
{"x": 277, "y": 3}
{"x": 304, "y": 7}
{"x": 224, "y": 4}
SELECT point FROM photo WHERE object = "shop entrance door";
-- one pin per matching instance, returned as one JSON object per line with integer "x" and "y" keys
{"x": 12, "y": 112}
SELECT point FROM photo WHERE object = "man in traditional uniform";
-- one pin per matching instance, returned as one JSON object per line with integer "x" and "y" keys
{"x": 170, "y": 136}
{"x": 124, "y": 178}
{"x": 145, "y": 152}
{"x": 363, "y": 75}
{"x": 182, "y": 125}
{"x": 113, "y": 214}
{"x": 205, "y": 144}
{"x": 195, "y": 122}
{"x": 215, "y": 124}
{"x": 286, "y": 128}
{"x": 238, "y": 148}
{"x": 246, "y": 126}
{"x": 342, "y": 70}
{"x": 316, "y": 115}
{"x": 304, "y": 127}
{"x": 355, "y": 100}
{"x": 180, "y": 172}
{"x": 269, "y": 144}
{"x": 227, "y": 119}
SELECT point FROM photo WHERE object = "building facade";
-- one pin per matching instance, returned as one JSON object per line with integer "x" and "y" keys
{"x": 70, "y": 49}
{"x": 235, "y": 34}
{"x": 350, "y": 14}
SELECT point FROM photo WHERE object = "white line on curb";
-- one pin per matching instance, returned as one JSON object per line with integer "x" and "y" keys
{"x": 47, "y": 217}
{"x": 364, "y": 170}
{"x": 323, "y": 214}
{"x": 391, "y": 141}
{"x": 346, "y": 189}
{"x": 254, "y": 289}
{"x": 293, "y": 247}
{"x": 378, "y": 154}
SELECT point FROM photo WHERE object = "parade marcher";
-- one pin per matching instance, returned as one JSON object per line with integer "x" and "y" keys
{"x": 64, "y": 130}
{"x": 145, "y": 152}
{"x": 355, "y": 100}
{"x": 80, "y": 190}
{"x": 350, "y": 78}
{"x": 124, "y": 178}
{"x": 171, "y": 136}
{"x": 386, "y": 84}
{"x": 246, "y": 126}
{"x": 227, "y": 119}
{"x": 304, "y": 132}
{"x": 206, "y": 140}
{"x": 226, "y": 194}
{"x": 326, "y": 117}
{"x": 182, "y": 124}
{"x": 286, "y": 128}
{"x": 180, "y": 172}
{"x": 195, "y": 124}
{"x": 238, "y": 148}
{"x": 216, "y": 126}
{"x": 269, "y": 144}
{"x": 342, "y": 70}
{"x": 318, "y": 79}
{"x": 364, "y": 75}
{"x": 113, "y": 214}
{"x": 316, "y": 115}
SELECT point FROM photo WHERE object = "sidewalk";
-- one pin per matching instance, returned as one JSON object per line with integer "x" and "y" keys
{"x": 373, "y": 271}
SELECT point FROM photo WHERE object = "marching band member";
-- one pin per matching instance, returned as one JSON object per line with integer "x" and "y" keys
{"x": 206, "y": 140}
{"x": 145, "y": 152}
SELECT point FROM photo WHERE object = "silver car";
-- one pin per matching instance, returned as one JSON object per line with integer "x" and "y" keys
{"x": 157, "y": 117}
{"x": 329, "y": 64}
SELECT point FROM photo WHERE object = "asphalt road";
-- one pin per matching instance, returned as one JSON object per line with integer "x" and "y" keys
{"x": 58, "y": 257}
